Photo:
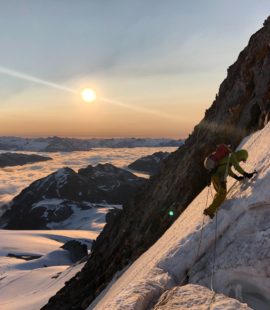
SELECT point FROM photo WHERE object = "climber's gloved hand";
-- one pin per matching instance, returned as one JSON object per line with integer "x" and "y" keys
{"x": 249, "y": 175}
{"x": 239, "y": 178}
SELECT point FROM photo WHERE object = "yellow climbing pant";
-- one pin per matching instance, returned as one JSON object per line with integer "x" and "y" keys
{"x": 221, "y": 192}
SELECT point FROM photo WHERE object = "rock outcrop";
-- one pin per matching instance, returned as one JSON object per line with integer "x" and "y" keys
{"x": 76, "y": 249}
{"x": 241, "y": 107}
{"x": 150, "y": 164}
{"x": 16, "y": 159}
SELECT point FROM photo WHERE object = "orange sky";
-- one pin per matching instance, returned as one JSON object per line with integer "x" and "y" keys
{"x": 169, "y": 112}
{"x": 152, "y": 59}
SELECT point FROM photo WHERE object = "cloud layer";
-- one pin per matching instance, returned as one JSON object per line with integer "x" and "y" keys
{"x": 14, "y": 179}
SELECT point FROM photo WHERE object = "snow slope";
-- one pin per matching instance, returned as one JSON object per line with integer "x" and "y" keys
{"x": 242, "y": 253}
{"x": 28, "y": 285}
{"x": 194, "y": 297}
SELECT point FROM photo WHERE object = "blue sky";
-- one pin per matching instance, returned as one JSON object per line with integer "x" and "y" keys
{"x": 169, "y": 56}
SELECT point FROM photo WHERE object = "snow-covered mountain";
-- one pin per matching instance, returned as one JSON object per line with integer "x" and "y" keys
{"x": 57, "y": 144}
{"x": 185, "y": 253}
{"x": 241, "y": 107}
{"x": 66, "y": 199}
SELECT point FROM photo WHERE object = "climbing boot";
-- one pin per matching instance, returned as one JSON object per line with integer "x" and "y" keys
{"x": 209, "y": 213}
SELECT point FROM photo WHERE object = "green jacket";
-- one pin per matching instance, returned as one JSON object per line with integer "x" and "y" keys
{"x": 235, "y": 158}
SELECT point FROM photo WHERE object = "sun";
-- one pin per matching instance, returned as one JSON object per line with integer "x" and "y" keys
{"x": 88, "y": 95}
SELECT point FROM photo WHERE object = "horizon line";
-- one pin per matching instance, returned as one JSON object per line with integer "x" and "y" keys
{"x": 89, "y": 137}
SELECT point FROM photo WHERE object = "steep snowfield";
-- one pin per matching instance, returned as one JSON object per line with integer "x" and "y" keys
{"x": 242, "y": 252}
{"x": 28, "y": 285}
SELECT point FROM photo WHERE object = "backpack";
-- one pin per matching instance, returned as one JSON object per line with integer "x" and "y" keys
{"x": 211, "y": 161}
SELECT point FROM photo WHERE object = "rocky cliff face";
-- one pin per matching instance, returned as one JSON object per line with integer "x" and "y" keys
{"x": 241, "y": 107}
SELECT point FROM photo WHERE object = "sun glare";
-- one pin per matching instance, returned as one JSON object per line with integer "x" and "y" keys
{"x": 88, "y": 95}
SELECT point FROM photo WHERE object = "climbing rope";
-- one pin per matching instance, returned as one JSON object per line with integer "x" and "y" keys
{"x": 216, "y": 227}
{"x": 216, "y": 236}
{"x": 200, "y": 241}
{"x": 199, "y": 247}
{"x": 213, "y": 266}
{"x": 209, "y": 191}
{"x": 212, "y": 300}
{"x": 202, "y": 226}
{"x": 214, "y": 256}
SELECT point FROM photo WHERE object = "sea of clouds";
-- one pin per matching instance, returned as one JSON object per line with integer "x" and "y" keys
{"x": 14, "y": 179}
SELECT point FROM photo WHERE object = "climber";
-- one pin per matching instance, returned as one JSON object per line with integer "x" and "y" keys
{"x": 219, "y": 178}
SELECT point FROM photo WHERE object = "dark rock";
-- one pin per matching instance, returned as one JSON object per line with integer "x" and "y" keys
{"x": 181, "y": 178}
{"x": 76, "y": 249}
{"x": 61, "y": 212}
{"x": 117, "y": 185}
{"x": 37, "y": 217}
{"x": 56, "y": 276}
{"x": 149, "y": 164}
{"x": 15, "y": 159}
{"x": 24, "y": 256}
